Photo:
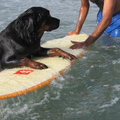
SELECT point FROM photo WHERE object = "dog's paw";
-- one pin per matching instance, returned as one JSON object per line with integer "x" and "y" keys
{"x": 40, "y": 66}
{"x": 71, "y": 57}
{"x": 36, "y": 65}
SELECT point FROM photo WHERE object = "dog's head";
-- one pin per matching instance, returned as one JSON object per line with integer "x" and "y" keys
{"x": 33, "y": 22}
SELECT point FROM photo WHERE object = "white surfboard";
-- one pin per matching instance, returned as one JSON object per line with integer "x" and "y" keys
{"x": 17, "y": 81}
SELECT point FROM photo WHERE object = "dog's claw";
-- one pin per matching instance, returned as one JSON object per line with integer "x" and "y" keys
{"x": 72, "y": 57}
{"x": 41, "y": 66}
{"x": 44, "y": 67}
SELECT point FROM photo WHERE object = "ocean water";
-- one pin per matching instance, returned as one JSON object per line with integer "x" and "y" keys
{"x": 88, "y": 90}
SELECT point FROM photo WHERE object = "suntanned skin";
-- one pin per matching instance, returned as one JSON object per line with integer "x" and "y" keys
{"x": 109, "y": 8}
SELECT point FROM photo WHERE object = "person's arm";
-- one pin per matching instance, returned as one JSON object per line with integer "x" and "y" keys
{"x": 82, "y": 16}
{"x": 108, "y": 10}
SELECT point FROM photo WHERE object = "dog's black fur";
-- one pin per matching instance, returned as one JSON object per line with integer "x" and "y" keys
{"x": 21, "y": 39}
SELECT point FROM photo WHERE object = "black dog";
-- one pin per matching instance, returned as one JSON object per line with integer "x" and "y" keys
{"x": 21, "y": 39}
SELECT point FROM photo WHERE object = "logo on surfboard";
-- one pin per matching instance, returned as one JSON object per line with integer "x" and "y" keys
{"x": 24, "y": 72}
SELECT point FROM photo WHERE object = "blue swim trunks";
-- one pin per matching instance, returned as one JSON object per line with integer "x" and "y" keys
{"x": 114, "y": 28}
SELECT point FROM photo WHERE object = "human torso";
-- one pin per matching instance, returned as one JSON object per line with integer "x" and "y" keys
{"x": 100, "y": 4}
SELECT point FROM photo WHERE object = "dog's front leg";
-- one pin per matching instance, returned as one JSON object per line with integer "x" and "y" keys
{"x": 11, "y": 62}
{"x": 51, "y": 52}
{"x": 35, "y": 65}
{"x": 60, "y": 53}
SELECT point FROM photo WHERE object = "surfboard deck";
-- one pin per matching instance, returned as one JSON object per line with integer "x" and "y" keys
{"x": 17, "y": 81}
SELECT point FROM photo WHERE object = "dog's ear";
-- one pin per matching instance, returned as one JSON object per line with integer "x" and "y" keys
{"x": 24, "y": 25}
{"x": 29, "y": 24}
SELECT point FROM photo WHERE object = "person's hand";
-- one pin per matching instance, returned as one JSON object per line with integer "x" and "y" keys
{"x": 78, "y": 45}
{"x": 72, "y": 33}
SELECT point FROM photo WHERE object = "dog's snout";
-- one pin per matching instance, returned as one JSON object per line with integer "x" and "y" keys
{"x": 53, "y": 23}
{"x": 56, "y": 22}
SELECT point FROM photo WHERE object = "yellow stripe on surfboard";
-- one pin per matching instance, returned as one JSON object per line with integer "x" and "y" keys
{"x": 17, "y": 81}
